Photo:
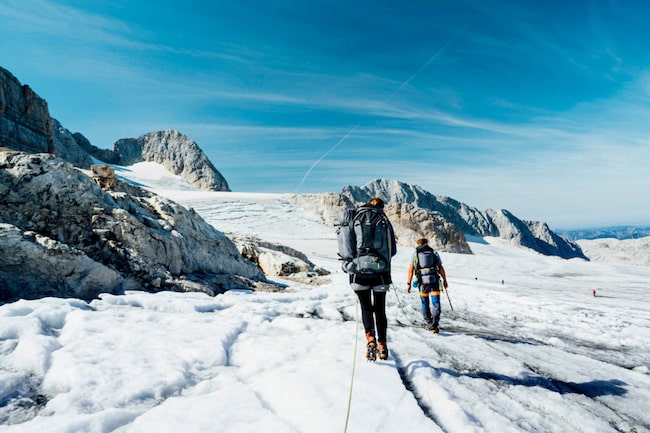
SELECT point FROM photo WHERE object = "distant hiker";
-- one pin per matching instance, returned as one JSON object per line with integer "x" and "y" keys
{"x": 424, "y": 273}
{"x": 366, "y": 242}
{"x": 593, "y": 292}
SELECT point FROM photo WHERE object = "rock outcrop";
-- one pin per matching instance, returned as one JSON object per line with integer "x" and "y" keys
{"x": 279, "y": 260}
{"x": 63, "y": 235}
{"x": 36, "y": 266}
{"x": 26, "y": 126}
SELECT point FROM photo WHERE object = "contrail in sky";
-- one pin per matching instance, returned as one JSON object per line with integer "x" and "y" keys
{"x": 325, "y": 155}
{"x": 431, "y": 59}
{"x": 395, "y": 92}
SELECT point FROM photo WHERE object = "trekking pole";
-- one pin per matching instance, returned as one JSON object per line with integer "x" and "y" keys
{"x": 449, "y": 299}
{"x": 446, "y": 293}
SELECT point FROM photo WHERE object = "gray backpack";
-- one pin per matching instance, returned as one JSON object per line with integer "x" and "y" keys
{"x": 428, "y": 266}
{"x": 345, "y": 238}
{"x": 365, "y": 241}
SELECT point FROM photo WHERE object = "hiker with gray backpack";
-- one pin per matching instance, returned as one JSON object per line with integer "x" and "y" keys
{"x": 424, "y": 273}
{"x": 366, "y": 243}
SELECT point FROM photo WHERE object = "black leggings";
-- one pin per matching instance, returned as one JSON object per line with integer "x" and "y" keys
{"x": 378, "y": 307}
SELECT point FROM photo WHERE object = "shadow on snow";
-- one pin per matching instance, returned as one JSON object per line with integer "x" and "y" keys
{"x": 591, "y": 389}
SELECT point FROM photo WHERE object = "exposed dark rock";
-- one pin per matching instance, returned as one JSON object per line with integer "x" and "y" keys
{"x": 66, "y": 147}
{"x": 25, "y": 122}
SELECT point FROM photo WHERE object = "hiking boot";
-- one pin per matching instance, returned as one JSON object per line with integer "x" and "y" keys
{"x": 371, "y": 352}
{"x": 383, "y": 350}
{"x": 430, "y": 327}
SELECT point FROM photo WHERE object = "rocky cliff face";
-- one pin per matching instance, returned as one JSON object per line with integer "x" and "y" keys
{"x": 416, "y": 213}
{"x": 25, "y": 122}
{"x": 61, "y": 234}
{"x": 26, "y": 126}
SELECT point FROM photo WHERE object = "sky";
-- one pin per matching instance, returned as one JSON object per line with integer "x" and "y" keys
{"x": 540, "y": 108}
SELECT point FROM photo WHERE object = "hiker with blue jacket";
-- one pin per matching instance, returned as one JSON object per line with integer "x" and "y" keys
{"x": 424, "y": 273}
{"x": 367, "y": 245}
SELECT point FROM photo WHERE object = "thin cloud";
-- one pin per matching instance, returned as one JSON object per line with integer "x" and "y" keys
{"x": 54, "y": 19}
{"x": 74, "y": 26}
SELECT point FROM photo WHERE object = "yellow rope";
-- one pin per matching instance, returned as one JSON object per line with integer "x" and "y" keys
{"x": 401, "y": 306}
{"x": 354, "y": 364}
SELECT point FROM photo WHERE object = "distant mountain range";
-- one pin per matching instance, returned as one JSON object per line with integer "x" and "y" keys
{"x": 614, "y": 232}
{"x": 445, "y": 222}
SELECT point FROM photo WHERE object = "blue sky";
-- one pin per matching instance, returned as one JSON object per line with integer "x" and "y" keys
{"x": 541, "y": 108}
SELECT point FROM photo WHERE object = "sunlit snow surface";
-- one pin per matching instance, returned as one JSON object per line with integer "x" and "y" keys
{"x": 528, "y": 348}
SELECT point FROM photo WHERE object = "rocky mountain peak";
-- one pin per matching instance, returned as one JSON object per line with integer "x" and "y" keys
{"x": 169, "y": 148}
{"x": 391, "y": 191}
{"x": 26, "y": 126}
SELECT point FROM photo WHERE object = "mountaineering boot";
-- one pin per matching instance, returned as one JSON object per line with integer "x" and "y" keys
{"x": 383, "y": 350}
{"x": 371, "y": 352}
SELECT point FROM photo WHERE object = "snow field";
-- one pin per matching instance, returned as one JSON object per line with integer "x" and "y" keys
{"x": 535, "y": 353}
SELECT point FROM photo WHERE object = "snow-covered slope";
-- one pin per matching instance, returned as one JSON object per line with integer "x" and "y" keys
{"x": 610, "y": 250}
{"x": 527, "y": 348}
